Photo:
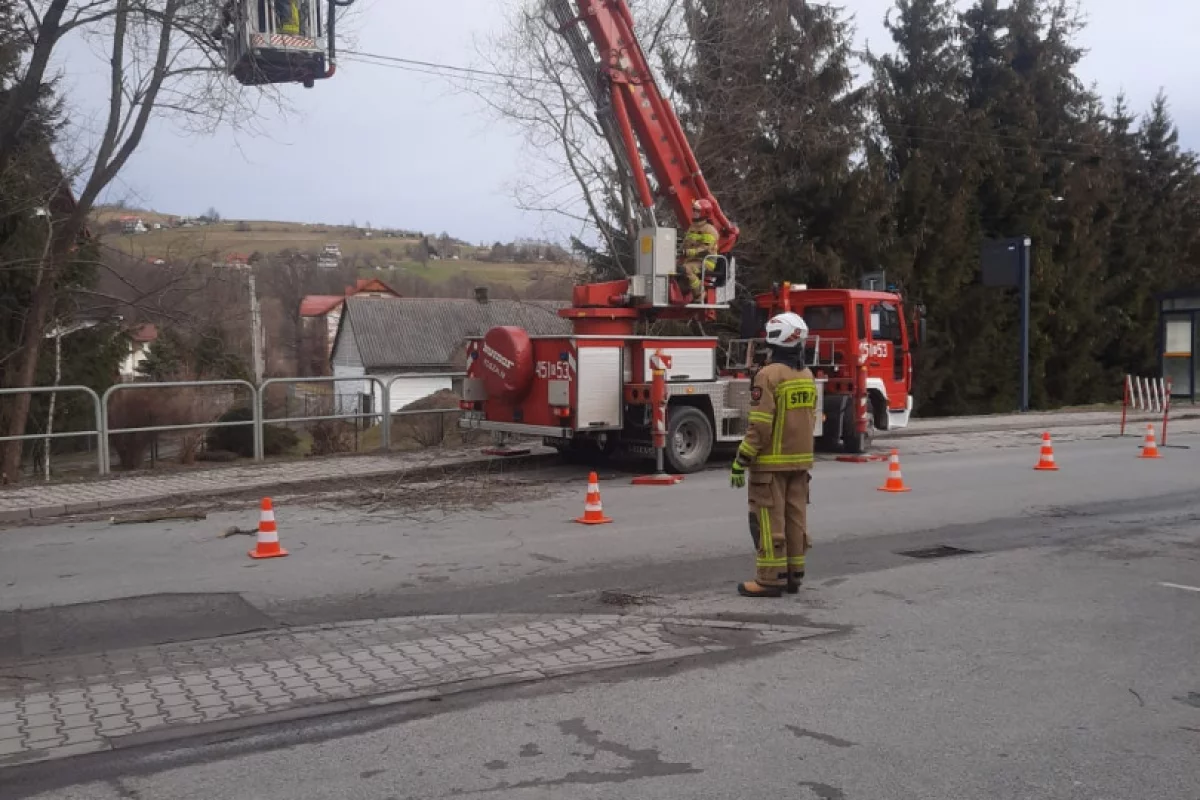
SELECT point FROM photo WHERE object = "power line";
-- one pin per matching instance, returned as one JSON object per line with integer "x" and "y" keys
{"x": 484, "y": 73}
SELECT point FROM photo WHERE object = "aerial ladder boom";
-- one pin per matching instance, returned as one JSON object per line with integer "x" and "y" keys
{"x": 632, "y": 111}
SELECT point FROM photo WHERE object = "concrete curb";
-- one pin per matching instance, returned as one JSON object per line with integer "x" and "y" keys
{"x": 420, "y": 472}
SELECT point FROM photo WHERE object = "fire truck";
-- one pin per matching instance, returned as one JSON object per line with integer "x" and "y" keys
{"x": 590, "y": 392}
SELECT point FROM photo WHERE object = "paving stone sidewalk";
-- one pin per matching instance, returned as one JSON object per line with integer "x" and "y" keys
{"x": 85, "y": 704}
{"x": 33, "y": 501}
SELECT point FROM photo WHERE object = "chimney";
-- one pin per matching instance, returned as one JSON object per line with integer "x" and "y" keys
{"x": 481, "y": 294}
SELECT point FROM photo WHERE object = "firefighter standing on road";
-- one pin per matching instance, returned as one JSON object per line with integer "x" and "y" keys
{"x": 699, "y": 244}
{"x": 778, "y": 451}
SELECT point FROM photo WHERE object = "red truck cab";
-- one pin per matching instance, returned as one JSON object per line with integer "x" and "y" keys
{"x": 862, "y": 344}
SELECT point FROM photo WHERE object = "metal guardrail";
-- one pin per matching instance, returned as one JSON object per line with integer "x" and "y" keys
{"x": 106, "y": 431}
{"x": 258, "y": 421}
{"x": 97, "y": 415}
{"x": 260, "y": 410}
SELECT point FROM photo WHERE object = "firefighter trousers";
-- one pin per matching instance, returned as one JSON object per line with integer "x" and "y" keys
{"x": 778, "y": 524}
{"x": 693, "y": 277}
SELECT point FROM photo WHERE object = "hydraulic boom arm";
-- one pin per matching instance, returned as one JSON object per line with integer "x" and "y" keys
{"x": 633, "y": 111}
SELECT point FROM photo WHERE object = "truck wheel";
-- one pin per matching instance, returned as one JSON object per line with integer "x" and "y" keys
{"x": 689, "y": 440}
{"x": 853, "y": 441}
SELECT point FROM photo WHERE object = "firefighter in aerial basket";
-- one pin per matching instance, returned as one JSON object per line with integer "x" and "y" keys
{"x": 778, "y": 453}
{"x": 699, "y": 247}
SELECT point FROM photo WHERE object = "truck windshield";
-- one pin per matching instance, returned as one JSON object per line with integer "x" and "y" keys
{"x": 825, "y": 318}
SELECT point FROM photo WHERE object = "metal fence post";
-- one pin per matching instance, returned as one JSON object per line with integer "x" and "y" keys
{"x": 386, "y": 420}
{"x": 105, "y": 455}
{"x": 101, "y": 439}
{"x": 259, "y": 436}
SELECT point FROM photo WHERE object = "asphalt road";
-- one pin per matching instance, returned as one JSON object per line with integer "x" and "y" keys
{"x": 1061, "y": 665}
{"x": 1056, "y": 659}
{"x": 523, "y": 555}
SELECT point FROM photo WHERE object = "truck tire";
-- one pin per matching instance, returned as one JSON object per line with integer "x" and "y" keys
{"x": 689, "y": 440}
{"x": 854, "y": 442}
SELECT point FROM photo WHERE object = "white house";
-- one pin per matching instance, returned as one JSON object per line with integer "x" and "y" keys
{"x": 140, "y": 340}
{"x": 389, "y": 337}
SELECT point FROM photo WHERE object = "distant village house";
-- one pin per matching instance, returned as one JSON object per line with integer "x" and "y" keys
{"x": 133, "y": 225}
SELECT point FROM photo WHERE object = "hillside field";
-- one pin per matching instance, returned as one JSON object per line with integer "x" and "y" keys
{"x": 378, "y": 256}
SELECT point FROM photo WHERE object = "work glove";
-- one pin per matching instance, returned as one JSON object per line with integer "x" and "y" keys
{"x": 737, "y": 476}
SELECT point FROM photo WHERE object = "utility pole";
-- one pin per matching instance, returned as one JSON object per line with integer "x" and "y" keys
{"x": 1026, "y": 245}
{"x": 256, "y": 331}
{"x": 58, "y": 334}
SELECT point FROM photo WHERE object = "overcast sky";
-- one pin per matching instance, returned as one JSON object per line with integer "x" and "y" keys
{"x": 405, "y": 150}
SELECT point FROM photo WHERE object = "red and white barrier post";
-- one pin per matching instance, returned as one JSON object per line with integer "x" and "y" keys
{"x": 659, "y": 364}
{"x": 1151, "y": 395}
{"x": 1166, "y": 410}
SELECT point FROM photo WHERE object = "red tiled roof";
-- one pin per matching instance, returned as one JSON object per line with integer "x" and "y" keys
{"x": 370, "y": 285}
{"x": 144, "y": 333}
{"x": 318, "y": 305}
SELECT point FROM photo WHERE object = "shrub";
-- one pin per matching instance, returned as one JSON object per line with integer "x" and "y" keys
{"x": 433, "y": 429}
{"x": 132, "y": 409}
{"x": 332, "y": 436}
{"x": 277, "y": 440}
{"x": 149, "y": 407}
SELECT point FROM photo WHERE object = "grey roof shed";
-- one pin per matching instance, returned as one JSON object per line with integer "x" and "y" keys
{"x": 408, "y": 332}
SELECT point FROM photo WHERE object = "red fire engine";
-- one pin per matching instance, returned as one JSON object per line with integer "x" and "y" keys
{"x": 591, "y": 391}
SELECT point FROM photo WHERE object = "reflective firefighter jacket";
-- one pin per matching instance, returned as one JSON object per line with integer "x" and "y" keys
{"x": 700, "y": 242}
{"x": 783, "y": 416}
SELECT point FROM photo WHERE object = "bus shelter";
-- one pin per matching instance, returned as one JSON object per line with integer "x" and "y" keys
{"x": 1179, "y": 340}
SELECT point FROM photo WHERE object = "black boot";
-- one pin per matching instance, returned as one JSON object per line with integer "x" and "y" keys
{"x": 794, "y": 579}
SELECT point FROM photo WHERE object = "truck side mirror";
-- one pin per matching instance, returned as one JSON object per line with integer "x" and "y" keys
{"x": 919, "y": 326}
{"x": 752, "y": 320}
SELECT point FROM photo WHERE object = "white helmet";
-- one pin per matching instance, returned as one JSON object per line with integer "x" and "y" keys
{"x": 786, "y": 330}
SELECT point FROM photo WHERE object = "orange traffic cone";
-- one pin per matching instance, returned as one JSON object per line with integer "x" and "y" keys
{"x": 593, "y": 514}
{"x": 1046, "y": 462}
{"x": 268, "y": 537}
{"x": 895, "y": 481}
{"x": 1150, "y": 446}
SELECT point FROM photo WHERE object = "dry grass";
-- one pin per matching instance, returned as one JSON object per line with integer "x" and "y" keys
{"x": 224, "y": 238}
